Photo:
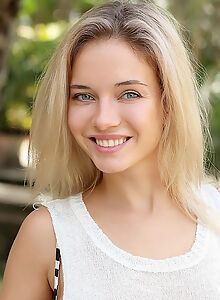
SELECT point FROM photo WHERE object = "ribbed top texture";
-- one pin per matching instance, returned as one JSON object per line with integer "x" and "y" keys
{"x": 95, "y": 268}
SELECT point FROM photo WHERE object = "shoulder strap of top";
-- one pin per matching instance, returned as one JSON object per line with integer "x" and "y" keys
{"x": 56, "y": 274}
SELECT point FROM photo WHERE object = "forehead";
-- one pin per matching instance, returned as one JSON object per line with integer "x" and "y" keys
{"x": 110, "y": 60}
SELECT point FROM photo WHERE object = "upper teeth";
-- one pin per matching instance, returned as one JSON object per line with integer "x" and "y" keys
{"x": 110, "y": 143}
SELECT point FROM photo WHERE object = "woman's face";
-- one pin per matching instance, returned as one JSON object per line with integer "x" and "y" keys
{"x": 115, "y": 111}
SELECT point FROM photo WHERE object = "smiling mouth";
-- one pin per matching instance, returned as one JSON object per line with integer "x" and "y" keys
{"x": 94, "y": 139}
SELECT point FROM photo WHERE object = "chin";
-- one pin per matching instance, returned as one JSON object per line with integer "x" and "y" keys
{"x": 111, "y": 168}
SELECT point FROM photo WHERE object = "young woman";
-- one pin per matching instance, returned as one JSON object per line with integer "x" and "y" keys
{"x": 118, "y": 143}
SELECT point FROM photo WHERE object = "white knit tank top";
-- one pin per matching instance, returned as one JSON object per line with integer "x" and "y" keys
{"x": 95, "y": 268}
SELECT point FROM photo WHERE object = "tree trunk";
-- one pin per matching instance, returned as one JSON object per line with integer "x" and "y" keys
{"x": 8, "y": 12}
{"x": 63, "y": 10}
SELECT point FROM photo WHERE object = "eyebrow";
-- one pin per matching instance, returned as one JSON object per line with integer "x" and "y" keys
{"x": 127, "y": 82}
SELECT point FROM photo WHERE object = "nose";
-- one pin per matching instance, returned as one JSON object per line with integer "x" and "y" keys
{"x": 107, "y": 114}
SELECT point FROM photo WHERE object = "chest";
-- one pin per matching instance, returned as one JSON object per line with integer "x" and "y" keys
{"x": 149, "y": 237}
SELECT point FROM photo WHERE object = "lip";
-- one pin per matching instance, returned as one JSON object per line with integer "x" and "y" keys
{"x": 110, "y": 149}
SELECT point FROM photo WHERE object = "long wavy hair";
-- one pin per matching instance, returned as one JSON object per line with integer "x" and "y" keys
{"x": 61, "y": 168}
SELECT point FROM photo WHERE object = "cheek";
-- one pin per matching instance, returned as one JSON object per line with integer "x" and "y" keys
{"x": 148, "y": 120}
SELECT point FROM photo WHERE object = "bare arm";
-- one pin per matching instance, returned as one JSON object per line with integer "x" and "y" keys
{"x": 31, "y": 260}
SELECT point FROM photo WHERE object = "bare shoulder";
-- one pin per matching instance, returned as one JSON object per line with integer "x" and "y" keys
{"x": 38, "y": 219}
{"x": 37, "y": 233}
{"x": 30, "y": 259}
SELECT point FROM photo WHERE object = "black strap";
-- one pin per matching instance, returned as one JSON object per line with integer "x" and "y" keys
{"x": 56, "y": 274}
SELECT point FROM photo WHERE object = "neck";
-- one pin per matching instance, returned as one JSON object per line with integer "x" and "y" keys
{"x": 137, "y": 190}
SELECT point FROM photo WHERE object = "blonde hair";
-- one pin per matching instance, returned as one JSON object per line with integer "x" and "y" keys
{"x": 62, "y": 168}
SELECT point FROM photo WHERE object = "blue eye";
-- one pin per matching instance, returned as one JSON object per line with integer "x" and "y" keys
{"x": 87, "y": 97}
{"x": 82, "y": 97}
{"x": 131, "y": 95}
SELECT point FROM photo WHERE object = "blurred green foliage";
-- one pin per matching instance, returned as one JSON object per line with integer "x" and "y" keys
{"x": 40, "y": 25}
{"x": 30, "y": 52}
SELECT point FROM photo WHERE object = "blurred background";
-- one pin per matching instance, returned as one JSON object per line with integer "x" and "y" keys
{"x": 29, "y": 32}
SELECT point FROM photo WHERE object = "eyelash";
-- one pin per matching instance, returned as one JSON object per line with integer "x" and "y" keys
{"x": 75, "y": 97}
